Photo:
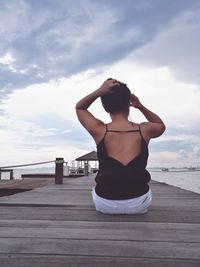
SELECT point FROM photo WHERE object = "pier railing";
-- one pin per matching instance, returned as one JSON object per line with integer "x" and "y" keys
{"x": 59, "y": 163}
{"x": 59, "y": 169}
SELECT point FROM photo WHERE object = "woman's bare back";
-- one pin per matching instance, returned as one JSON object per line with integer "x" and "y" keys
{"x": 123, "y": 145}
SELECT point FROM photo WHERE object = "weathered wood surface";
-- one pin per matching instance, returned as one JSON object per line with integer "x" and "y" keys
{"x": 25, "y": 183}
{"x": 10, "y": 187}
{"x": 57, "y": 225}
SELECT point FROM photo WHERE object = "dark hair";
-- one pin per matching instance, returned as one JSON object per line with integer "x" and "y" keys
{"x": 117, "y": 100}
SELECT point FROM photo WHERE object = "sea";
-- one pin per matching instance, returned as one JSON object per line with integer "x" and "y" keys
{"x": 189, "y": 180}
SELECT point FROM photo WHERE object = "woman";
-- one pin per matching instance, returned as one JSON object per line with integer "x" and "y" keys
{"x": 122, "y": 148}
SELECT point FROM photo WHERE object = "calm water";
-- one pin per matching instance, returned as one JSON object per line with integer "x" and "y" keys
{"x": 187, "y": 180}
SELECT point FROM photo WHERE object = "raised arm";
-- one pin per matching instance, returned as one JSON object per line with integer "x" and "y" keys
{"x": 85, "y": 117}
{"x": 155, "y": 126}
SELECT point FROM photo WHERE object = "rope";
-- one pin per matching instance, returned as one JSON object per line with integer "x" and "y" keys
{"x": 30, "y": 164}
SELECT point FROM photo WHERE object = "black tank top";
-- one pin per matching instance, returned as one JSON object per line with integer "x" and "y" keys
{"x": 117, "y": 181}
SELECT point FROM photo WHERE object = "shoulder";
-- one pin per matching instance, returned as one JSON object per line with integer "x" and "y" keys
{"x": 98, "y": 132}
{"x": 151, "y": 130}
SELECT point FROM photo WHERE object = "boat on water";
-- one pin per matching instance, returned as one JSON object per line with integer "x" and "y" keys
{"x": 165, "y": 169}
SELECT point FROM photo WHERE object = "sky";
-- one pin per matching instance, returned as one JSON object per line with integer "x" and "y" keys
{"x": 52, "y": 53}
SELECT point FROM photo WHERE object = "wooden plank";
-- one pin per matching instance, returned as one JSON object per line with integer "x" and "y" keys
{"x": 83, "y": 197}
{"x": 76, "y": 213}
{"x": 143, "y": 249}
{"x": 11, "y": 191}
{"x": 24, "y": 183}
{"x": 64, "y": 228}
{"x": 132, "y": 231}
{"x": 30, "y": 260}
{"x": 49, "y": 198}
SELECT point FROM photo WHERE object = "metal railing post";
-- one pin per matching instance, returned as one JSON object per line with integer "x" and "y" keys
{"x": 59, "y": 171}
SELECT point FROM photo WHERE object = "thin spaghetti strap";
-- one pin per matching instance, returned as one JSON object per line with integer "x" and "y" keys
{"x": 105, "y": 131}
{"x": 106, "y": 127}
{"x": 140, "y": 131}
{"x": 118, "y": 131}
{"x": 132, "y": 124}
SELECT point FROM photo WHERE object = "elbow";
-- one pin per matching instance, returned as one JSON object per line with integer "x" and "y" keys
{"x": 160, "y": 130}
{"x": 78, "y": 106}
{"x": 163, "y": 128}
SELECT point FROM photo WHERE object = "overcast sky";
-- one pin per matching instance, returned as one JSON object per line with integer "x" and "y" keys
{"x": 52, "y": 53}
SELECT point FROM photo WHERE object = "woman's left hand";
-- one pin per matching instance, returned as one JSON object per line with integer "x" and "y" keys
{"x": 134, "y": 101}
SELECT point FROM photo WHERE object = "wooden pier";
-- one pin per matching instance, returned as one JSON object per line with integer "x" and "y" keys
{"x": 56, "y": 225}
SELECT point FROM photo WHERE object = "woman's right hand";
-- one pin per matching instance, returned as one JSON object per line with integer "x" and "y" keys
{"x": 107, "y": 86}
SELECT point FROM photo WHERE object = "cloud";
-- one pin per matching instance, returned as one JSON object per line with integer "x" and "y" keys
{"x": 41, "y": 120}
{"x": 176, "y": 46}
{"x": 42, "y": 117}
{"x": 179, "y": 146}
{"x": 48, "y": 39}
{"x": 53, "y": 53}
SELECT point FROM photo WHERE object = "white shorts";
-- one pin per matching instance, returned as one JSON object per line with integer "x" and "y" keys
{"x": 138, "y": 205}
